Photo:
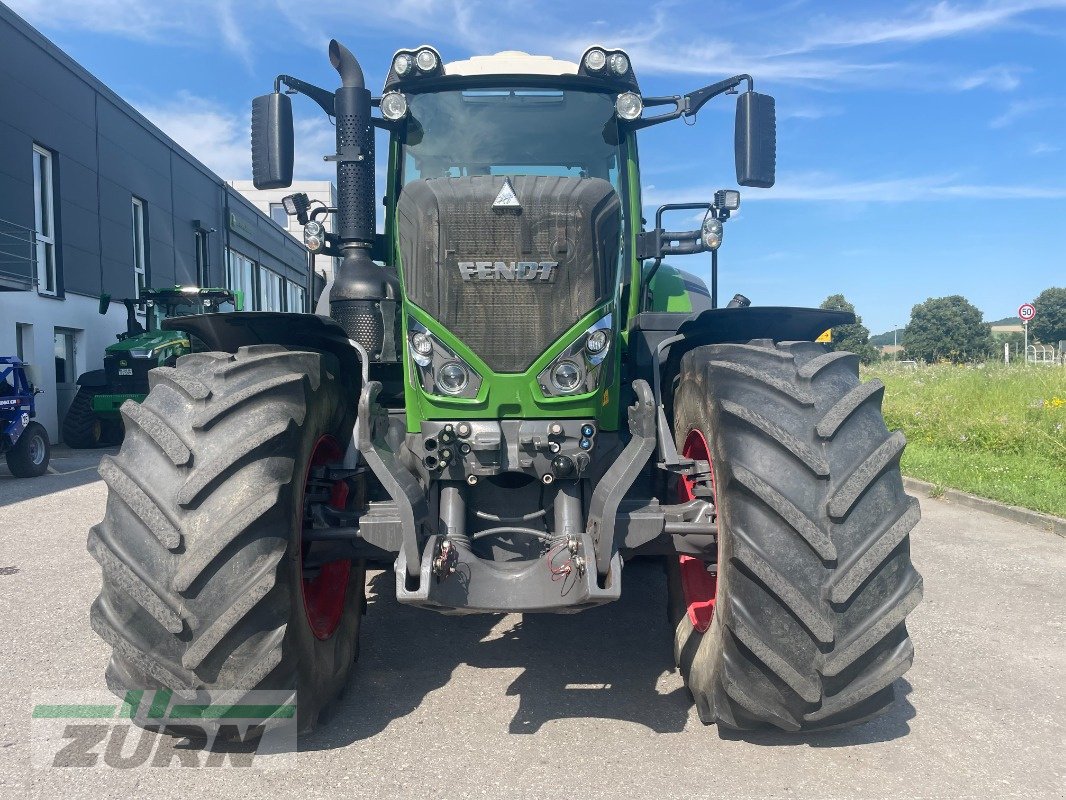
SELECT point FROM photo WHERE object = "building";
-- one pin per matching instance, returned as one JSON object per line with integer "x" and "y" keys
{"x": 269, "y": 202}
{"x": 95, "y": 199}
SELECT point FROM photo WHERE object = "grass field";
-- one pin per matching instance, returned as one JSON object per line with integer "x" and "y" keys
{"x": 994, "y": 431}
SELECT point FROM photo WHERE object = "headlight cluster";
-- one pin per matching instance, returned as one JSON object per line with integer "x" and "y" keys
{"x": 608, "y": 63}
{"x": 577, "y": 369}
{"x": 314, "y": 236}
{"x": 416, "y": 63}
{"x": 440, "y": 370}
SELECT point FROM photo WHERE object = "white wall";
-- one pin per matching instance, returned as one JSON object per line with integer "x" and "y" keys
{"x": 93, "y": 333}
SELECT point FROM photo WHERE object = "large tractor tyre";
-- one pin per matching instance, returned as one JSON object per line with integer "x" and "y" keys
{"x": 83, "y": 428}
{"x": 29, "y": 456}
{"x": 798, "y": 622}
{"x": 205, "y": 579}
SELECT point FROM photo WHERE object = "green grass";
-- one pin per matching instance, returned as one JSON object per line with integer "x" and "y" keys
{"x": 994, "y": 431}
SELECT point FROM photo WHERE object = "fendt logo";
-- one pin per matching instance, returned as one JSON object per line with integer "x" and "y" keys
{"x": 507, "y": 270}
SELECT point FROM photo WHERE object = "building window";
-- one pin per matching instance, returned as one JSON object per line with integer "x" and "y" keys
{"x": 269, "y": 290}
{"x": 140, "y": 252}
{"x": 277, "y": 213}
{"x": 44, "y": 220}
{"x": 240, "y": 277}
{"x": 202, "y": 278}
{"x": 63, "y": 340}
{"x": 295, "y": 298}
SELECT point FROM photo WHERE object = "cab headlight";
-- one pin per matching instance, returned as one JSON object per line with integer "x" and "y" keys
{"x": 393, "y": 106}
{"x": 711, "y": 232}
{"x": 628, "y": 105}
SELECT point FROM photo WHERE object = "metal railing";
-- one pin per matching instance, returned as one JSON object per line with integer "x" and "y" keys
{"x": 18, "y": 253}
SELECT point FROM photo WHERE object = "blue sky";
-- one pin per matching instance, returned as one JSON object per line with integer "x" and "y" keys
{"x": 921, "y": 146}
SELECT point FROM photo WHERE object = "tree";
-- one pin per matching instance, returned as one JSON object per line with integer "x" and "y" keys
{"x": 947, "y": 329}
{"x": 854, "y": 338}
{"x": 1049, "y": 324}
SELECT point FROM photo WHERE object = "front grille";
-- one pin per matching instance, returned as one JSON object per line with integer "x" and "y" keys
{"x": 135, "y": 383}
{"x": 509, "y": 323}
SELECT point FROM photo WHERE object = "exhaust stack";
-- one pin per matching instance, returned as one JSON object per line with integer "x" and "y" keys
{"x": 364, "y": 295}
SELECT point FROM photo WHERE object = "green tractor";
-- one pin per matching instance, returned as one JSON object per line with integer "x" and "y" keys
{"x": 93, "y": 419}
{"x": 504, "y": 398}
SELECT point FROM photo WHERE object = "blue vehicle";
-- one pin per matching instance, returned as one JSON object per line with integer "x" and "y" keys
{"x": 22, "y": 441}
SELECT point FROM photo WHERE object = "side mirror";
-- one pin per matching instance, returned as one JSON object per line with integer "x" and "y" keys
{"x": 272, "y": 141}
{"x": 755, "y": 140}
{"x": 105, "y": 303}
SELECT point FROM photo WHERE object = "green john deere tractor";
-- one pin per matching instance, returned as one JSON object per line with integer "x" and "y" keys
{"x": 504, "y": 398}
{"x": 93, "y": 419}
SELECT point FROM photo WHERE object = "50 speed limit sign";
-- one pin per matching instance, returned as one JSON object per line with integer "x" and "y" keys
{"x": 1026, "y": 312}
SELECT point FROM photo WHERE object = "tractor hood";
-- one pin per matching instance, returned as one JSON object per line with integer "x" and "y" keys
{"x": 508, "y": 265}
{"x": 150, "y": 341}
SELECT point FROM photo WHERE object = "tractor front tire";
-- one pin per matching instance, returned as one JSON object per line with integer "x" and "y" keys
{"x": 29, "y": 456}
{"x": 803, "y": 623}
{"x": 83, "y": 428}
{"x": 204, "y": 585}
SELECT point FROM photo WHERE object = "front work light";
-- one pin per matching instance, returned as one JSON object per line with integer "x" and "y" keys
{"x": 628, "y": 106}
{"x": 619, "y": 63}
{"x": 393, "y": 106}
{"x": 426, "y": 60}
{"x": 711, "y": 232}
{"x": 727, "y": 199}
{"x": 402, "y": 64}
{"x": 595, "y": 60}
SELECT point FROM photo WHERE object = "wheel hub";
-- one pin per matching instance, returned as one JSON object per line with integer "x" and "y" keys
{"x": 699, "y": 578}
{"x": 324, "y": 592}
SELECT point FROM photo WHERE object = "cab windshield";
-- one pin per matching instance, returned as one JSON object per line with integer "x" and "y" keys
{"x": 551, "y": 132}
{"x": 183, "y": 305}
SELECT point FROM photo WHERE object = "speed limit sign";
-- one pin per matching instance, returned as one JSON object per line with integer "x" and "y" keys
{"x": 1026, "y": 312}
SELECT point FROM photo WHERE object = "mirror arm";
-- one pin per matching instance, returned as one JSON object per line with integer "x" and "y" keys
{"x": 323, "y": 97}
{"x": 694, "y": 101}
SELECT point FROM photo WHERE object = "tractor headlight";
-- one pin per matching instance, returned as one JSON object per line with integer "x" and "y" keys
{"x": 452, "y": 378}
{"x": 393, "y": 106}
{"x": 595, "y": 60}
{"x": 619, "y": 63}
{"x": 577, "y": 369}
{"x": 426, "y": 60}
{"x": 711, "y": 232}
{"x": 628, "y": 105}
{"x": 402, "y": 64}
{"x": 566, "y": 377}
{"x": 596, "y": 341}
{"x": 142, "y": 352}
{"x": 438, "y": 369}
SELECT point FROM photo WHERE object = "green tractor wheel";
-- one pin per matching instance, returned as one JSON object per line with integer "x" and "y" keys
{"x": 797, "y": 622}
{"x": 83, "y": 428}
{"x": 207, "y": 583}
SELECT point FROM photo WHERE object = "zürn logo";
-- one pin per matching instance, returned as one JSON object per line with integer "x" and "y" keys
{"x": 157, "y": 728}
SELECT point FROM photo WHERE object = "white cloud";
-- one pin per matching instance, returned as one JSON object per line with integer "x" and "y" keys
{"x": 192, "y": 21}
{"x": 1019, "y": 109}
{"x": 220, "y": 137}
{"x": 822, "y": 188}
{"x": 1002, "y": 77}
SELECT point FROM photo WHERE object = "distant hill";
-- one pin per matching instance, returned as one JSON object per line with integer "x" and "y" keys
{"x": 886, "y": 338}
{"x": 882, "y": 339}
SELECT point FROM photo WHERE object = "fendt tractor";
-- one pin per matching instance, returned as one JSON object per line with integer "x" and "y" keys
{"x": 93, "y": 419}
{"x": 506, "y": 397}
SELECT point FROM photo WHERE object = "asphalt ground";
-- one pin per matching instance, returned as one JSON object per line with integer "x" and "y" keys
{"x": 587, "y": 705}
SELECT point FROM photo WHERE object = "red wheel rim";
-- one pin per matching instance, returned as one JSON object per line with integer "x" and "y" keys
{"x": 324, "y": 594}
{"x": 700, "y": 587}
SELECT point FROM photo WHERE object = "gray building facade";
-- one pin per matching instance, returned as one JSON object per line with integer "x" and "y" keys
{"x": 95, "y": 199}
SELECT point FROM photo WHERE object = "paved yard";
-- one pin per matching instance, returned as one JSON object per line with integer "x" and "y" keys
{"x": 585, "y": 705}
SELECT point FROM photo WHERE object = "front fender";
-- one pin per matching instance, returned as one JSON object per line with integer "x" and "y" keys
{"x": 228, "y": 331}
